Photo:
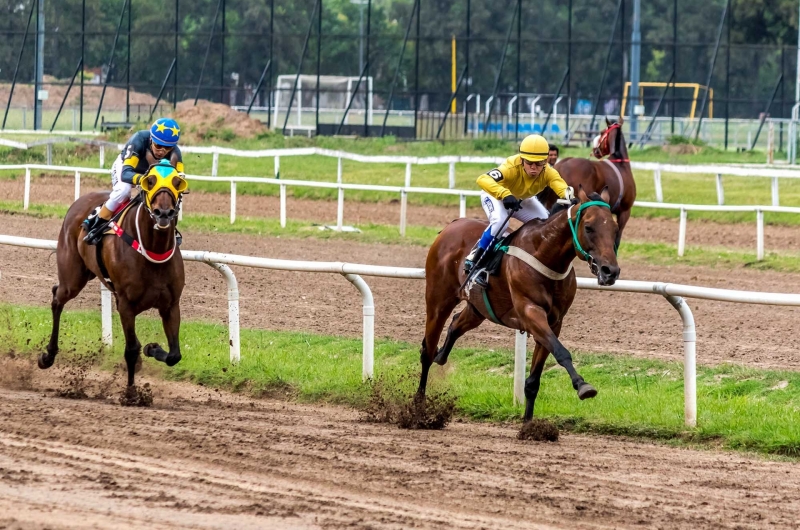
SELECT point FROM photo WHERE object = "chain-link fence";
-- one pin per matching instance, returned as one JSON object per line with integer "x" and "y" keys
{"x": 421, "y": 69}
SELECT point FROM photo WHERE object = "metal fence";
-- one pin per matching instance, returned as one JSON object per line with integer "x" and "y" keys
{"x": 411, "y": 68}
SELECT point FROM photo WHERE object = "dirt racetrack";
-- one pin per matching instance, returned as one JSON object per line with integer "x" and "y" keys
{"x": 203, "y": 459}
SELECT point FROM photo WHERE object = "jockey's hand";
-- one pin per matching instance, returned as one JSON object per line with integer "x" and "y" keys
{"x": 511, "y": 203}
{"x": 569, "y": 194}
{"x": 137, "y": 179}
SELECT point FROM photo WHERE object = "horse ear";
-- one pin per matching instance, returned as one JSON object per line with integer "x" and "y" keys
{"x": 608, "y": 123}
{"x": 605, "y": 196}
{"x": 582, "y": 194}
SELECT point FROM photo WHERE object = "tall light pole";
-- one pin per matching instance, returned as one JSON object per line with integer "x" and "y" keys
{"x": 37, "y": 120}
{"x": 361, "y": 4}
{"x": 636, "y": 53}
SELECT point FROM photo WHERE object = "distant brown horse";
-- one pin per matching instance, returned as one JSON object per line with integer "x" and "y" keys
{"x": 613, "y": 172}
{"x": 143, "y": 271}
{"x": 533, "y": 300}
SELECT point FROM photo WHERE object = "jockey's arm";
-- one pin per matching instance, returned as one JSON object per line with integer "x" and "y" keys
{"x": 558, "y": 184}
{"x": 492, "y": 183}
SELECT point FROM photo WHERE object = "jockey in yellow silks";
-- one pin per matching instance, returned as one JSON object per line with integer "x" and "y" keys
{"x": 511, "y": 188}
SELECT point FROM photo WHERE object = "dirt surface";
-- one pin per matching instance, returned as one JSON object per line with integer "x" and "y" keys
{"x": 206, "y": 120}
{"x": 203, "y": 459}
{"x": 638, "y": 324}
{"x": 114, "y": 98}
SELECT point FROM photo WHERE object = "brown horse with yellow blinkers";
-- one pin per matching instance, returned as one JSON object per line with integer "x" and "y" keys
{"x": 533, "y": 289}
{"x": 143, "y": 271}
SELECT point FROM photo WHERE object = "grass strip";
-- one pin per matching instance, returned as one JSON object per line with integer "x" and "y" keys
{"x": 738, "y": 407}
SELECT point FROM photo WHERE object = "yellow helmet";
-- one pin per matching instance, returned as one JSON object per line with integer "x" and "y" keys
{"x": 534, "y": 148}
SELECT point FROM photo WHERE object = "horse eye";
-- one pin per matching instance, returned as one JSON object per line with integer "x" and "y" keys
{"x": 589, "y": 230}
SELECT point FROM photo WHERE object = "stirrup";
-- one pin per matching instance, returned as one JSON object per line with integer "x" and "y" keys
{"x": 482, "y": 278}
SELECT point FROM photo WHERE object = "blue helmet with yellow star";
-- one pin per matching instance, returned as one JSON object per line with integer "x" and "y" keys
{"x": 165, "y": 132}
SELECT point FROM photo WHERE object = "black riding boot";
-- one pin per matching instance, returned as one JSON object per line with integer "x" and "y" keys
{"x": 94, "y": 226}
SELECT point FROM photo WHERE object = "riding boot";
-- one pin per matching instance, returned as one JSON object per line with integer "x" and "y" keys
{"x": 472, "y": 258}
{"x": 96, "y": 224}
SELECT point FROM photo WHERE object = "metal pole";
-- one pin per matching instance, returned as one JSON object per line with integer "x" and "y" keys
{"x": 258, "y": 87}
{"x": 646, "y": 134}
{"x": 110, "y": 63}
{"x": 367, "y": 85}
{"x": 466, "y": 67}
{"x": 37, "y": 112}
{"x": 605, "y": 67}
{"x": 797, "y": 66}
{"x": 636, "y": 54}
{"x": 271, "y": 47}
{"x": 674, "y": 59}
{"x": 128, "y": 74}
{"x": 399, "y": 63}
{"x": 450, "y": 103}
{"x": 350, "y": 103}
{"x": 728, "y": 77}
{"x": 222, "y": 58}
{"x": 161, "y": 92}
{"x": 175, "y": 77}
{"x": 319, "y": 59}
{"x": 569, "y": 65}
{"x": 711, "y": 71}
{"x": 519, "y": 54}
{"x": 19, "y": 59}
{"x": 83, "y": 56}
{"x": 416, "y": 72}
{"x": 66, "y": 94}
{"x": 300, "y": 63}
{"x": 499, "y": 73}
{"x": 208, "y": 50}
{"x": 766, "y": 111}
{"x": 558, "y": 93}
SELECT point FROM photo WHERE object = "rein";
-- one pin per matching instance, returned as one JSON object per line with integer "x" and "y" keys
{"x": 574, "y": 228}
{"x": 137, "y": 244}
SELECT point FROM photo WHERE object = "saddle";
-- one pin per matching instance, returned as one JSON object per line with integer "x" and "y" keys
{"x": 477, "y": 287}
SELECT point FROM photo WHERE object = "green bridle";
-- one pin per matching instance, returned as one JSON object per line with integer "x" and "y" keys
{"x": 574, "y": 228}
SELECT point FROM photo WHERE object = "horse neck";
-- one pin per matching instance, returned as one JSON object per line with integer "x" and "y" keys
{"x": 622, "y": 152}
{"x": 155, "y": 241}
{"x": 550, "y": 243}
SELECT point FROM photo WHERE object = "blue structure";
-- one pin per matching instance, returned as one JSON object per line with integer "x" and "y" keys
{"x": 524, "y": 128}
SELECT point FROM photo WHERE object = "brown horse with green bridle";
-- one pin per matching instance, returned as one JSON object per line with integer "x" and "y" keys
{"x": 532, "y": 290}
{"x": 143, "y": 270}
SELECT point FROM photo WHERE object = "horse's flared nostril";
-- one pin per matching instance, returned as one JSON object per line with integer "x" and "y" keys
{"x": 157, "y": 212}
{"x": 608, "y": 274}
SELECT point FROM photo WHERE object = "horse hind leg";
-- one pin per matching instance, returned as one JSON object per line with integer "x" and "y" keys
{"x": 463, "y": 322}
{"x": 171, "y": 320}
{"x": 62, "y": 293}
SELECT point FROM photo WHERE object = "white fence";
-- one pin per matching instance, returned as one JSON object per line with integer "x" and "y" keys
{"x": 407, "y": 189}
{"x": 353, "y": 272}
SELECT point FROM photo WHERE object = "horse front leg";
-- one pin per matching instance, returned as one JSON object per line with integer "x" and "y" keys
{"x": 127, "y": 317}
{"x": 171, "y": 320}
{"x": 535, "y": 323}
{"x": 533, "y": 381}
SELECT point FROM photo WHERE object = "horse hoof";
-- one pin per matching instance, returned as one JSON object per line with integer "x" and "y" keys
{"x": 440, "y": 359}
{"x": 586, "y": 391}
{"x": 150, "y": 349}
{"x": 45, "y": 361}
{"x": 173, "y": 359}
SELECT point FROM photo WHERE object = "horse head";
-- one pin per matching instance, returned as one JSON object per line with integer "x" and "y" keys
{"x": 594, "y": 233}
{"x": 610, "y": 142}
{"x": 163, "y": 188}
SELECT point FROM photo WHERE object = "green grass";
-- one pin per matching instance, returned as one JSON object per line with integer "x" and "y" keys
{"x": 738, "y": 408}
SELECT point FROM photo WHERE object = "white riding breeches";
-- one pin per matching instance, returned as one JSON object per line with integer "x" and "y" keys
{"x": 531, "y": 208}
{"x": 121, "y": 191}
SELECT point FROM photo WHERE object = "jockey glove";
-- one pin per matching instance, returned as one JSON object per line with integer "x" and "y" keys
{"x": 511, "y": 203}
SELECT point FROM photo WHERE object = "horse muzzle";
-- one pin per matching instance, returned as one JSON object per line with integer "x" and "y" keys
{"x": 607, "y": 274}
{"x": 164, "y": 218}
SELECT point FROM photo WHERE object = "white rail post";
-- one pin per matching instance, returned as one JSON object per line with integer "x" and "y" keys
{"x": 776, "y": 200}
{"x": 408, "y": 175}
{"x": 759, "y": 234}
{"x": 520, "y": 350}
{"x": 689, "y": 358}
{"x": 283, "y": 205}
{"x": 657, "y": 184}
{"x": 277, "y": 167}
{"x": 77, "y": 184}
{"x": 105, "y": 316}
{"x": 102, "y": 156}
{"x": 403, "y": 212}
{"x": 340, "y": 201}
{"x": 720, "y": 190}
{"x": 451, "y": 175}
{"x": 233, "y": 201}
{"x": 462, "y": 205}
{"x": 26, "y": 196}
{"x": 368, "y": 310}
{"x": 682, "y": 233}
{"x": 215, "y": 163}
{"x": 233, "y": 310}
